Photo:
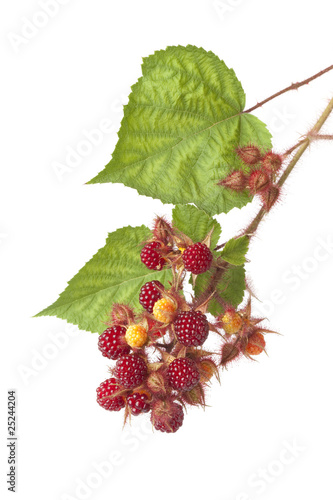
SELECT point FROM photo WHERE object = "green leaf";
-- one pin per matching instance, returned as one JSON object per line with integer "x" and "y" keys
{"x": 235, "y": 250}
{"x": 114, "y": 274}
{"x": 180, "y": 129}
{"x": 195, "y": 223}
{"x": 231, "y": 288}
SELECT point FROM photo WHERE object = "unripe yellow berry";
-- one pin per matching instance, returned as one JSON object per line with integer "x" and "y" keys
{"x": 232, "y": 322}
{"x": 136, "y": 335}
{"x": 164, "y": 310}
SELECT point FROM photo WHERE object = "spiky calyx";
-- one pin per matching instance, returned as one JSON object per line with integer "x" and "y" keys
{"x": 270, "y": 197}
{"x": 230, "y": 352}
{"x": 259, "y": 181}
{"x": 162, "y": 230}
{"x": 136, "y": 335}
{"x": 164, "y": 310}
{"x": 207, "y": 369}
{"x": 236, "y": 181}
{"x": 156, "y": 383}
{"x": 272, "y": 162}
{"x": 121, "y": 314}
{"x": 250, "y": 154}
{"x": 194, "y": 397}
{"x": 167, "y": 416}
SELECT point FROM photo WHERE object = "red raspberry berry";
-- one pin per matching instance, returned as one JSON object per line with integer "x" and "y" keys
{"x": 138, "y": 403}
{"x": 167, "y": 417}
{"x": 151, "y": 258}
{"x": 183, "y": 374}
{"x": 197, "y": 258}
{"x": 131, "y": 370}
{"x": 191, "y": 328}
{"x": 104, "y": 395}
{"x": 112, "y": 342}
{"x": 149, "y": 294}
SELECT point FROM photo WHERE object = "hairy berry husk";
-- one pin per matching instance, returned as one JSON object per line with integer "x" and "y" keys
{"x": 230, "y": 352}
{"x": 259, "y": 181}
{"x": 121, "y": 314}
{"x": 156, "y": 383}
{"x": 191, "y": 328}
{"x": 272, "y": 162}
{"x": 131, "y": 371}
{"x": 270, "y": 197}
{"x": 149, "y": 294}
{"x": 197, "y": 258}
{"x": 236, "y": 181}
{"x": 151, "y": 258}
{"x": 104, "y": 395}
{"x": 162, "y": 230}
{"x": 167, "y": 416}
{"x": 112, "y": 342}
{"x": 249, "y": 154}
{"x": 183, "y": 374}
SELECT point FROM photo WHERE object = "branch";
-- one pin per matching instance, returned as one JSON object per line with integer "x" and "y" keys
{"x": 293, "y": 86}
{"x": 303, "y": 145}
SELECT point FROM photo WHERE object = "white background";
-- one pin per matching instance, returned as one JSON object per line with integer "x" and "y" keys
{"x": 268, "y": 431}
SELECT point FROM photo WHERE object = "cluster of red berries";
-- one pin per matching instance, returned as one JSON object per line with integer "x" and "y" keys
{"x": 174, "y": 330}
{"x": 197, "y": 258}
{"x": 259, "y": 177}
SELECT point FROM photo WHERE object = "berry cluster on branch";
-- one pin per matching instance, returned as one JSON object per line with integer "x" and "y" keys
{"x": 260, "y": 176}
{"x": 162, "y": 365}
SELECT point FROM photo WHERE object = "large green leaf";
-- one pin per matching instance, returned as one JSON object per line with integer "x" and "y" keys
{"x": 180, "y": 129}
{"x": 195, "y": 223}
{"x": 114, "y": 274}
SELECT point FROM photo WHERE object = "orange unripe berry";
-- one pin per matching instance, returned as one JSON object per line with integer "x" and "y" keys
{"x": 256, "y": 344}
{"x": 232, "y": 322}
{"x": 164, "y": 310}
{"x": 136, "y": 336}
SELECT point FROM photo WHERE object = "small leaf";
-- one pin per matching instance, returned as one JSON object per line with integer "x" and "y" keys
{"x": 114, "y": 274}
{"x": 235, "y": 250}
{"x": 230, "y": 289}
{"x": 195, "y": 223}
{"x": 181, "y": 127}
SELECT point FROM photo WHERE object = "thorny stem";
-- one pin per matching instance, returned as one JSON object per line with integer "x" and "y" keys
{"x": 302, "y": 147}
{"x": 293, "y": 86}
